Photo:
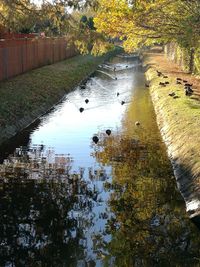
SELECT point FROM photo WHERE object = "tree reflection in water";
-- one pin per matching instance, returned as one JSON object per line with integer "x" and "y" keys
{"x": 45, "y": 210}
{"x": 149, "y": 226}
{"x": 50, "y": 216}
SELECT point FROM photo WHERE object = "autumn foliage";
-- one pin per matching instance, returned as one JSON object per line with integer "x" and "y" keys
{"x": 142, "y": 23}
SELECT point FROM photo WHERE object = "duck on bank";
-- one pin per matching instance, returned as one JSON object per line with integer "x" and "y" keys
{"x": 177, "y": 106}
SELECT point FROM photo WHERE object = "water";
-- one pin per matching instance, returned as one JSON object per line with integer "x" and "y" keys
{"x": 66, "y": 201}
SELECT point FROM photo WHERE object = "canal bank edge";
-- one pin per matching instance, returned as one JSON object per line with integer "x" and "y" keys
{"x": 28, "y": 96}
{"x": 178, "y": 118}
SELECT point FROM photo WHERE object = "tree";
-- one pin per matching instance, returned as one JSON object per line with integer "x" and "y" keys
{"x": 84, "y": 35}
{"x": 16, "y": 15}
{"x": 142, "y": 22}
{"x": 52, "y": 17}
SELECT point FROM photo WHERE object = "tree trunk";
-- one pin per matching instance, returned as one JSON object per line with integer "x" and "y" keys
{"x": 191, "y": 63}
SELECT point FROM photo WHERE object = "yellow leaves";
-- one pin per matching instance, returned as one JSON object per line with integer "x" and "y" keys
{"x": 82, "y": 47}
{"x": 110, "y": 14}
{"x": 146, "y": 22}
{"x": 101, "y": 47}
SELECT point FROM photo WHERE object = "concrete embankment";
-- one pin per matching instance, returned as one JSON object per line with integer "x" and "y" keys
{"x": 178, "y": 118}
{"x": 26, "y": 97}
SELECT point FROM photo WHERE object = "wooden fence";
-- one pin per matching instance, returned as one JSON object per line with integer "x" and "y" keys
{"x": 20, "y": 55}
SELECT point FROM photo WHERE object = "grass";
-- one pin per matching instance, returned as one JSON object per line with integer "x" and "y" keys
{"x": 179, "y": 122}
{"x": 25, "y": 97}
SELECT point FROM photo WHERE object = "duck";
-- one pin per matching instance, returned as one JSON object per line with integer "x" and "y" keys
{"x": 86, "y": 101}
{"x": 95, "y": 139}
{"x": 178, "y": 82}
{"x": 108, "y": 132}
{"x": 117, "y": 93}
{"x": 163, "y": 84}
{"x": 81, "y": 109}
{"x": 123, "y": 102}
{"x": 172, "y": 94}
{"x": 189, "y": 89}
{"x": 188, "y": 84}
{"x": 159, "y": 73}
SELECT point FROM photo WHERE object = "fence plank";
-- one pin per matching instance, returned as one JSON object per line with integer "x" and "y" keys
{"x": 21, "y": 55}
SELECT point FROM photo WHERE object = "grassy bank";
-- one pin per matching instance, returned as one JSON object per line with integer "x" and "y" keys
{"x": 178, "y": 117}
{"x": 25, "y": 97}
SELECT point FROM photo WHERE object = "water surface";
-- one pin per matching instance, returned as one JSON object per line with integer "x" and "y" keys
{"x": 66, "y": 201}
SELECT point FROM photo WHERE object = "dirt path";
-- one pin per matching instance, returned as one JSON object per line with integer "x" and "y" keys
{"x": 158, "y": 60}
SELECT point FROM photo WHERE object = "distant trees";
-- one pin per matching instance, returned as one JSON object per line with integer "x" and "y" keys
{"x": 52, "y": 17}
{"x": 141, "y": 22}
{"x": 17, "y": 15}
{"x": 56, "y": 18}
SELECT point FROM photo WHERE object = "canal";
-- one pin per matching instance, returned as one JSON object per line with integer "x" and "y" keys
{"x": 90, "y": 183}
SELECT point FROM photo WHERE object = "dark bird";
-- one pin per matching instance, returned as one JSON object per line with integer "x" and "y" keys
{"x": 81, "y": 109}
{"x": 178, "y": 79}
{"x": 146, "y": 85}
{"x": 163, "y": 84}
{"x": 185, "y": 81}
{"x": 137, "y": 123}
{"x": 188, "y": 93}
{"x": 175, "y": 96}
{"x": 86, "y": 100}
{"x": 177, "y": 82}
{"x": 95, "y": 139}
{"x": 189, "y": 89}
{"x": 166, "y": 82}
{"x": 188, "y": 84}
{"x": 115, "y": 78}
{"x": 82, "y": 86}
{"x": 165, "y": 77}
{"x": 117, "y": 93}
{"x": 159, "y": 73}
{"x": 126, "y": 66}
{"x": 172, "y": 94}
{"x": 123, "y": 102}
{"x": 108, "y": 132}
